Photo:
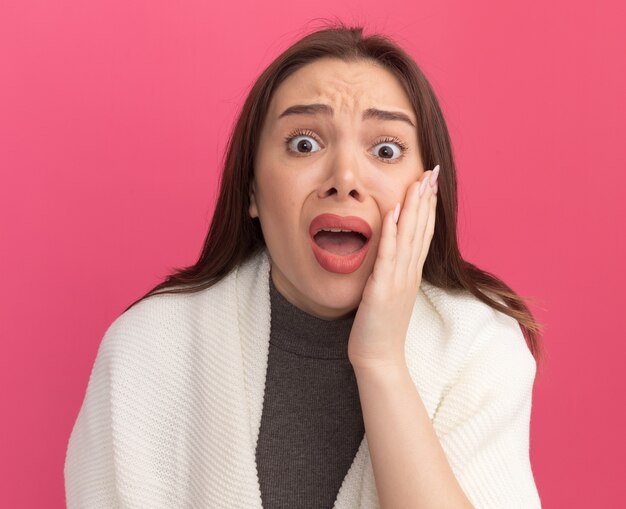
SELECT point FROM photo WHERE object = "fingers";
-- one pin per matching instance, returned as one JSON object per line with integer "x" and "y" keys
{"x": 384, "y": 266}
{"x": 407, "y": 227}
{"x": 421, "y": 243}
{"x": 404, "y": 246}
{"x": 411, "y": 233}
{"x": 428, "y": 234}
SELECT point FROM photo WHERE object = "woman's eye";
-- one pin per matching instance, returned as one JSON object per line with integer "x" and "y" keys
{"x": 303, "y": 144}
{"x": 388, "y": 150}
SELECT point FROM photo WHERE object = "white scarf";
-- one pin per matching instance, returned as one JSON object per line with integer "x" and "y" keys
{"x": 173, "y": 406}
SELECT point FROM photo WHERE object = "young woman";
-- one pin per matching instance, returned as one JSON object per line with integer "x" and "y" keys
{"x": 330, "y": 348}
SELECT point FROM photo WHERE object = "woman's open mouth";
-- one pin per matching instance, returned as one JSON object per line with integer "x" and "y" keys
{"x": 339, "y": 243}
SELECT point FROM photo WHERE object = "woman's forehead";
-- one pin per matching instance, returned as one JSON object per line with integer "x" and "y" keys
{"x": 348, "y": 87}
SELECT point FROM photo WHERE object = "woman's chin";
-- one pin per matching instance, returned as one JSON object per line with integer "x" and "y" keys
{"x": 327, "y": 296}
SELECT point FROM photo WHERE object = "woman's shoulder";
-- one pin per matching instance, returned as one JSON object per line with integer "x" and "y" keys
{"x": 170, "y": 317}
{"x": 471, "y": 325}
{"x": 182, "y": 317}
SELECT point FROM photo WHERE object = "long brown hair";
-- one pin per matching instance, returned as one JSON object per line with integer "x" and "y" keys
{"x": 234, "y": 237}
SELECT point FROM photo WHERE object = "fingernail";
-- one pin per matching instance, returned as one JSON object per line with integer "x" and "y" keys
{"x": 435, "y": 187}
{"x": 433, "y": 176}
{"x": 423, "y": 186}
{"x": 396, "y": 213}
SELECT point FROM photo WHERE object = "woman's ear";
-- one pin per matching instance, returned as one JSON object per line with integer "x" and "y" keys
{"x": 254, "y": 212}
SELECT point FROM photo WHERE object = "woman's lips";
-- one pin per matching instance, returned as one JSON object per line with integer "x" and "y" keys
{"x": 342, "y": 264}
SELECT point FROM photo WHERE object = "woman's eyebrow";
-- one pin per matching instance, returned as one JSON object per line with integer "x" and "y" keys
{"x": 325, "y": 109}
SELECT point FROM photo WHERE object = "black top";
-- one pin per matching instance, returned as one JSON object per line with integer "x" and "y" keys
{"x": 312, "y": 424}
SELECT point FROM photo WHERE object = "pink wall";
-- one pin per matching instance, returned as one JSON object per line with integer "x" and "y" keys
{"x": 113, "y": 119}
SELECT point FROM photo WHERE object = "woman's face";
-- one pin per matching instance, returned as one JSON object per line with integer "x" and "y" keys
{"x": 347, "y": 156}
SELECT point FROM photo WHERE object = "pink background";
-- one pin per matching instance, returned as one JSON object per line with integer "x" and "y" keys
{"x": 113, "y": 119}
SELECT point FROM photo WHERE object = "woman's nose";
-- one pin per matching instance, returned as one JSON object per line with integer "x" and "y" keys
{"x": 344, "y": 179}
